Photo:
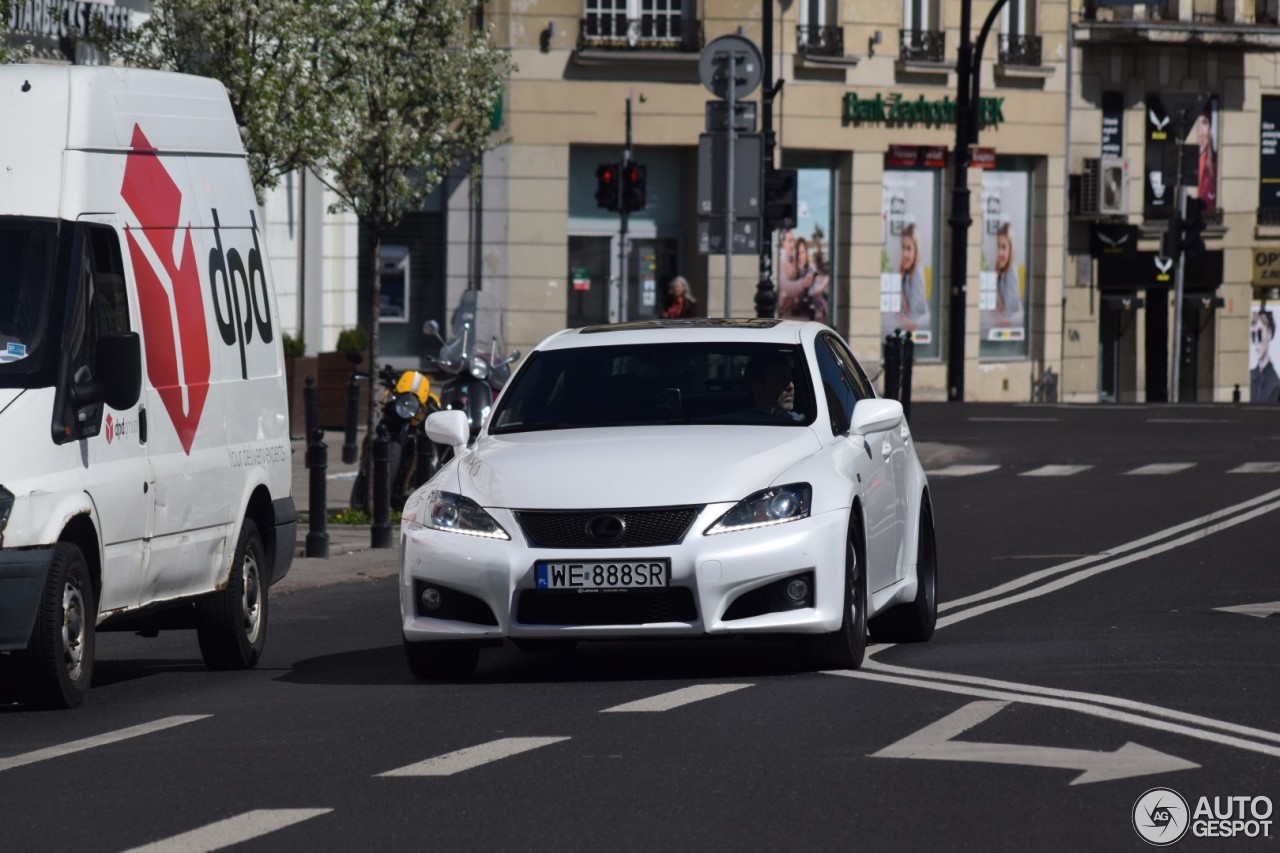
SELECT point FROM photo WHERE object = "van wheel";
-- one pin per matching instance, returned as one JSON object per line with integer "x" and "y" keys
{"x": 232, "y": 623}
{"x": 442, "y": 660}
{"x": 59, "y": 657}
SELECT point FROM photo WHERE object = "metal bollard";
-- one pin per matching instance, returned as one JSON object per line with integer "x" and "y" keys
{"x": 318, "y": 464}
{"x": 1235, "y": 395}
{"x": 380, "y": 535}
{"x": 892, "y": 365}
{"x": 349, "y": 451}
{"x": 908, "y": 358}
{"x": 310, "y": 408}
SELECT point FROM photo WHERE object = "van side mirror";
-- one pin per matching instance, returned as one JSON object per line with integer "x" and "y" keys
{"x": 119, "y": 360}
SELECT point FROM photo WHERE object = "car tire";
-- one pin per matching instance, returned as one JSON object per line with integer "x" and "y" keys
{"x": 58, "y": 661}
{"x": 914, "y": 621}
{"x": 447, "y": 660}
{"x": 845, "y": 647}
{"x": 231, "y": 624}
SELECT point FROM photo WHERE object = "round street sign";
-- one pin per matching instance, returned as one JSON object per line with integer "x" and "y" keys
{"x": 713, "y": 66}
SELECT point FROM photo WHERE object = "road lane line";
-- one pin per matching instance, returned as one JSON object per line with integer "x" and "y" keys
{"x": 676, "y": 698}
{"x": 1085, "y": 574}
{"x": 1026, "y": 580}
{"x": 1062, "y": 704}
{"x": 1055, "y": 471}
{"x": 1257, "y": 468}
{"x": 1015, "y": 420}
{"x": 97, "y": 740}
{"x": 473, "y": 756}
{"x": 1161, "y": 468}
{"x": 961, "y": 470}
{"x": 233, "y": 830}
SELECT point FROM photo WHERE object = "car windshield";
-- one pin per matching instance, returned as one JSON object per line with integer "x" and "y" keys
{"x": 649, "y": 384}
{"x": 28, "y": 258}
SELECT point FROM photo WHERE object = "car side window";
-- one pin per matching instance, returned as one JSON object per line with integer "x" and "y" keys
{"x": 866, "y": 391}
{"x": 837, "y": 387}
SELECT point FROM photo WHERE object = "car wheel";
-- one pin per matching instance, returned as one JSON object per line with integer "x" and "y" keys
{"x": 845, "y": 647}
{"x": 58, "y": 660}
{"x": 914, "y": 621}
{"x": 232, "y": 623}
{"x": 450, "y": 660}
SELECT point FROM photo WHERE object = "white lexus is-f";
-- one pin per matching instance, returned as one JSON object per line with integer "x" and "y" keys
{"x": 673, "y": 478}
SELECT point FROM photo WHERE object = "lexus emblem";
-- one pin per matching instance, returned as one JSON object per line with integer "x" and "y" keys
{"x": 606, "y": 528}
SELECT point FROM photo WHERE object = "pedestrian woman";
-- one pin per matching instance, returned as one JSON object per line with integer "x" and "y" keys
{"x": 680, "y": 301}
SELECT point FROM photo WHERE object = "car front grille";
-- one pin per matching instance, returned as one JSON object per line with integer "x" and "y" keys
{"x": 642, "y": 528}
{"x": 633, "y": 607}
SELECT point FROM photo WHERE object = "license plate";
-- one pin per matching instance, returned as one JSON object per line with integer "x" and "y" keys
{"x": 603, "y": 574}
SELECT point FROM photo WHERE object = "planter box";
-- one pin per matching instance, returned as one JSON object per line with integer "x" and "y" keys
{"x": 334, "y": 372}
{"x": 296, "y": 371}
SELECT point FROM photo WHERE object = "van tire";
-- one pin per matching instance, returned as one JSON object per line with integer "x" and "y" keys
{"x": 231, "y": 624}
{"x": 59, "y": 656}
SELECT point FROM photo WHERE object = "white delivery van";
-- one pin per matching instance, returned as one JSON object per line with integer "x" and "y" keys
{"x": 145, "y": 471}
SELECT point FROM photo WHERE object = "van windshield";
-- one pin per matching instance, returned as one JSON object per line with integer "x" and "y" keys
{"x": 28, "y": 261}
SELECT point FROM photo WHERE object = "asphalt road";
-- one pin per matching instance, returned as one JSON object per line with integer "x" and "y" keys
{"x": 1083, "y": 657}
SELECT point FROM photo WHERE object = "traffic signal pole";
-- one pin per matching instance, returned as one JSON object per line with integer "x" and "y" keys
{"x": 623, "y": 253}
{"x": 766, "y": 295}
{"x": 1179, "y": 276}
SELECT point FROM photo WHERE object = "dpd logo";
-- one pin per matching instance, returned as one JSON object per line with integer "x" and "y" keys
{"x": 1161, "y": 817}
{"x": 111, "y": 428}
{"x": 230, "y": 279}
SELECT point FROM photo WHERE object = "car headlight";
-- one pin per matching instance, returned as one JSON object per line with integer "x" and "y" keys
{"x": 6, "y": 506}
{"x": 452, "y": 513}
{"x": 407, "y": 405}
{"x": 479, "y": 368}
{"x": 775, "y": 505}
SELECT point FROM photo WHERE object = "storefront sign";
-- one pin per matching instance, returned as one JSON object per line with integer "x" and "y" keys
{"x": 63, "y": 18}
{"x": 1266, "y": 266}
{"x": 916, "y": 156}
{"x": 1112, "y": 124}
{"x": 1150, "y": 269}
{"x": 1269, "y": 154}
{"x": 1108, "y": 238}
{"x": 894, "y": 108}
{"x": 982, "y": 158}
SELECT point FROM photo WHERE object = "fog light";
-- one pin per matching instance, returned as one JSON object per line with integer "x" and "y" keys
{"x": 431, "y": 598}
{"x": 798, "y": 590}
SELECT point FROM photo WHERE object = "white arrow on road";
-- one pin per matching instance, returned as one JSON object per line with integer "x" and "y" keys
{"x": 1262, "y": 611}
{"x": 934, "y": 742}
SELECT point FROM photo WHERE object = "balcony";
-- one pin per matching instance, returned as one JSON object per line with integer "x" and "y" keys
{"x": 927, "y": 46}
{"x": 819, "y": 41}
{"x": 1020, "y": 50}
{"x": 649, "y": 34}
{"x": 1244, "y": 25}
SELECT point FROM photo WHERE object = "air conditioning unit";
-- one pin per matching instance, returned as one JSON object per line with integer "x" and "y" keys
{"x": 1103, "y": 188}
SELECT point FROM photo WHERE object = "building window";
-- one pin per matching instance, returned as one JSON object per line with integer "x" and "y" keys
{"x": 1019, "y": 44}
{"x": 640, "y": 24}
{"x": 1267, "y": 11}
{"x": 922, "y": 38}
{"x": 393, "y": 286}
{"x": 819, "y": 32}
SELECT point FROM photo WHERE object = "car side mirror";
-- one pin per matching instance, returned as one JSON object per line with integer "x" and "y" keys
{"x": 876, "y": 415}
{"x": 119, "y": 360}
{"x": 451, "y": 427}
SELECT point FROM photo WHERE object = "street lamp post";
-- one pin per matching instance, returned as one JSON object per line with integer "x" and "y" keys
{"x": 766, "y": 295}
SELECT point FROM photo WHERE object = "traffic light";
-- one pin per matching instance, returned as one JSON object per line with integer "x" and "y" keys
{"x": 1193, "y": 227}
{"x": 1171, "y": 239}
{"x": 779, "y": 198}
{"x": 633, "y": 186}
{"x": 607, "y": 184}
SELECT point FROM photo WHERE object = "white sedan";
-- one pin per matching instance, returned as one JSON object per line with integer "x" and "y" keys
{"x": 673, "y": 479}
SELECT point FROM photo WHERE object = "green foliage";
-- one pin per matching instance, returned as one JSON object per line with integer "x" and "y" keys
{"x": 354, "y": 340}
{"x": 294, "y": 347}
{"x": 8, "y": 53}
{"x": 347, "y": 515}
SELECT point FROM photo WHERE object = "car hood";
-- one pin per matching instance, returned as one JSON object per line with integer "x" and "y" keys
{"x": 630, "y": 466}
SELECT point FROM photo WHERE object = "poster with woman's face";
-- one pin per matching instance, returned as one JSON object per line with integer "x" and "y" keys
{"x": 805, "y": 253}
{"x": 1205, "y": 137}
{"x": 1003, "y": 280}
{"x": 908, "y": 279}
{"x": 1264, "y": 383}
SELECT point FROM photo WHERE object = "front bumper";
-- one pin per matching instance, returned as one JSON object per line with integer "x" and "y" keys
{"x": 715, "y": 570}
{"x": 22, "y": 578}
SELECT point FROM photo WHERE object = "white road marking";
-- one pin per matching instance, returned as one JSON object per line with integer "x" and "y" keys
{"x": 1162, "y": 468}
{"x": 97, "y": 740}
{"x": 935, "y": 742}
{"x": 1055, "y": 470}
{"x": 1257, "y": 468}
{"x": 1084, "y": 574}
{"x": 233, "y": 830}
{"x": 1027, "y": 580}
{"x": 676, "y": 698}
{"x": 1189, "y": 421}
{"x": 961, "y": 470}
{"x": 1016, "y": 420}
{"x": 473, "y": 756}
{"x": 1262, "y": 611}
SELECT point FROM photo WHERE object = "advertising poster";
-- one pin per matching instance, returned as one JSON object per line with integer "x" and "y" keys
{"x": 1205, "y": 137}
{"x": 1269, "y": 155}
{"x": 1002, "y": 282}
{"x": 1264, "y": 384}
{"x": 806, "y": 256}
{"x": 1199, "y": 152}
{"x": 908, "y": 258}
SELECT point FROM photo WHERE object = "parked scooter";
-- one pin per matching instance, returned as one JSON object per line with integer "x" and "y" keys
{"x": 404, "y": 401}
{"x": 472, "y": 358}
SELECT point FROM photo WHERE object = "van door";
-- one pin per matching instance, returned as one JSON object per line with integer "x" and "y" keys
{"x": 115, "y": 472}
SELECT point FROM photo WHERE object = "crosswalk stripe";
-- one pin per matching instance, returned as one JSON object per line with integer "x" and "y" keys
{"x": 961, "y": 470}
{"x": 233, "y": 830}
{"x": 1056, "y": 470}
{"x": 473, "y": 756}
{"x": 97, "y": 740}
{"x": 676, "y": 698}
{"x": 1257, "y": 468}
{"x": 1162, "y": 468}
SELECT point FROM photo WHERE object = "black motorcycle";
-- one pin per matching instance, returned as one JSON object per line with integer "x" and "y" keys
{"x": 404, "y": 401}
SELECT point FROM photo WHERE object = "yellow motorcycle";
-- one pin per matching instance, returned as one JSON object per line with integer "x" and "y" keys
{"x": 404, "y": 401}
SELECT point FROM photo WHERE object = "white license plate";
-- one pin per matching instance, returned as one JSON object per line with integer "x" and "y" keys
{"x": 603, "y": 574}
